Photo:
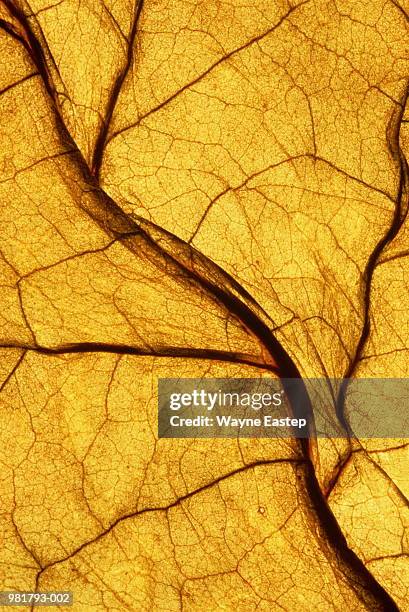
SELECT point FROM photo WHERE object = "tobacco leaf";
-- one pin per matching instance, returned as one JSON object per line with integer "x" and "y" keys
{"x": 199, "y": 190}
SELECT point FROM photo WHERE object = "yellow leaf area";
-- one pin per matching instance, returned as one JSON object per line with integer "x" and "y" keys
{"x": 204, "y": 190}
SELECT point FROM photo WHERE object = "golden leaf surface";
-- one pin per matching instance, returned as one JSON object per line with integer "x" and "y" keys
{"x": 206, "y": 190}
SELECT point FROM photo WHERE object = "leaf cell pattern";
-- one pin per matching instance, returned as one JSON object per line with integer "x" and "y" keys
{"x": 200, "y": 189}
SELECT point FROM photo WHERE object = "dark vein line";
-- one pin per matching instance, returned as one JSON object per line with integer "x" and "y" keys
{"x": 175, "y": 503}
{"x": 12, "y": 85}
{"x": 393, "y": 556}
{"x": 344, "y": 462}
{"x": 9, "y": 29}
{"x": 399, "y": 255}
{"x": 37, "y": 163}
{"x": 10, "y": 374}
{"x": 400, "y": 213}
{"x": 116, "y": 90}
{"x": 122, "y": 349}
{"x": 46, "y": 8}
{"x": 312, "y": 156}
{"x": 338, "y": 469}
{"x": 73, "y": 257}
{"x": 396, "y": 488}
{"x": 345, "y": 459}
{"x": 374, "y": 595}
{"x": 31, "y": 44}
{"x": 224, "y": 58}
{"x": 22, "y": 540}
{"x": 111, "y": 16}
{"x": 400, "y": 9}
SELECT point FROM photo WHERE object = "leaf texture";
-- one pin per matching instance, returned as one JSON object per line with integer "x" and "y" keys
{"x": 209, "y": 189}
